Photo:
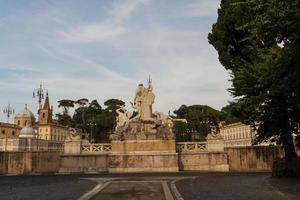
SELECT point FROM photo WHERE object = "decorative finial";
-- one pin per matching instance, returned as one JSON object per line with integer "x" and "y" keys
{"x": 149, "y": 80}
{"x": 25, "y": 105}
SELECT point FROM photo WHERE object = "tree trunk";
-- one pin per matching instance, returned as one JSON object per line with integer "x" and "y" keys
{"x": 288, "y": 145}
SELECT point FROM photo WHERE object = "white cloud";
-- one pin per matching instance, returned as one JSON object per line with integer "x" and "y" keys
{"x": 92, "y": 33}
{"x": 184, "y": 67}
{"x": 202, "y": 8}
{"x": 103, "y": 30}
{"x": 121, "y": 10}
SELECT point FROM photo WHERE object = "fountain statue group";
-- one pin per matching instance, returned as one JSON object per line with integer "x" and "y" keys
{"x": 142, "y": 123}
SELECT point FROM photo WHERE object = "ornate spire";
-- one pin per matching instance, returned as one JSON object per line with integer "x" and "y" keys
{"x": 46, "y": 103}
{"x": 149, "y": 80}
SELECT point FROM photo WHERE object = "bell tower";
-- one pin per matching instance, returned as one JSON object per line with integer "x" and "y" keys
{"x": 45, "y": 113}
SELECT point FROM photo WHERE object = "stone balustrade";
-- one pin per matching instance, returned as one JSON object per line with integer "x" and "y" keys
{"x": 191, "y": 147}
{"x": 56, "y": 146}
{"x": 28, "y": 144}
{"x": 96, "y": 148}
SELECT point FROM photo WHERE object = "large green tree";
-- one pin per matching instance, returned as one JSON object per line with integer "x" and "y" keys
{"x": 258, "y": 41}
{"x": 66, "y": 104}
{"x": 199, "y": 120}
{"x": 90, "y": 117}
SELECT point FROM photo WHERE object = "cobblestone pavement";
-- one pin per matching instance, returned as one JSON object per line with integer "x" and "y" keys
{"x": 43, "y": 187}
{"x": 239, "y": 186}
{"x": 150, "y": 186}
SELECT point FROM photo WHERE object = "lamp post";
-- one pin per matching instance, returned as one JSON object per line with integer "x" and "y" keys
{"x": 40, "y": 94}
{"x": 9, "y": 110}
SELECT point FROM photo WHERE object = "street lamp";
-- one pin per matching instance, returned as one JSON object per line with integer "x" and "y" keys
{"x": 92, "y": 124}
{"x": 8, "y": 111}
{"x": 39, "y": 93}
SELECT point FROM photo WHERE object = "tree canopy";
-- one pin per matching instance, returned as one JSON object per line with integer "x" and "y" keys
{"x": 199, "y": 120}
{"x": 90, "y": 117}
{"x": 258, "y": 41}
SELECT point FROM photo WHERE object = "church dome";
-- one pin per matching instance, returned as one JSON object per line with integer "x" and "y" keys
{"x": 27, "y": 132}
{"x": 25, "y": 113}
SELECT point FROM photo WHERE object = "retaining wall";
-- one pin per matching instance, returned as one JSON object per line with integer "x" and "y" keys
{"x": 84, "y": 163}
{"x": 202, "y": 161}
{"x": 241, "y": 159}
{"x": 29, "y": 162}
{"x": 253, "y": 159}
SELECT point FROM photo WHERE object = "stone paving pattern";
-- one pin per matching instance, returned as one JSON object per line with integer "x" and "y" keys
{"x": 208, "y": 186}
{"x": 132, "y": 191}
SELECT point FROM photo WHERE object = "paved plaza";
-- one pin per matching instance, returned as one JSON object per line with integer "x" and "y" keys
{"x": 149, "y": 186}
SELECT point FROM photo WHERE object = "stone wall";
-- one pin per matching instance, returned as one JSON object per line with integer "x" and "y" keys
{"x": 145, "y": 162}
{"x": 84, "y": 163}
{"x": 252, "y": 159}
{"x": 200, "y": 161}
{"x": 29, "y": 162}
{"x": 241, "y": 159}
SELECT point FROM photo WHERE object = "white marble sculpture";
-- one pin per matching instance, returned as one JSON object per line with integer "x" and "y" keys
{"x": 144, "y": 124}
{"x": 73, "y": 135}
{"x": 123, "y": 118}
{"x": 143, "y": 101}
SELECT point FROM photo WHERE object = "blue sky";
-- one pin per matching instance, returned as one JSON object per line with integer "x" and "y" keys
{"x": 102, "y": 49}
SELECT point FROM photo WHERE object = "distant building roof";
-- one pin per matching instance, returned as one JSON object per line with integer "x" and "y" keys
{"x": 25, "y": 113}
{"x": 27, "y": 132}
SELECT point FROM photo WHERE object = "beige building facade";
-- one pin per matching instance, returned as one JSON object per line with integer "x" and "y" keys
{"x": 237, "y": 135}
{"x": 53, "y": 132}
{"x": 22, "y": 119}
{"x": 48, "y": 129}
{"x": 9, "y": 131}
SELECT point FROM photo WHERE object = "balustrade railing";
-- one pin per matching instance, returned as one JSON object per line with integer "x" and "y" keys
{"x": 97, "y": 148}
{"x": 191, "y": 147}
{"x": 55, "y": 146}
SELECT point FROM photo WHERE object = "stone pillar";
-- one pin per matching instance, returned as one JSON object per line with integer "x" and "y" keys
{"x": 72, "y": 147}
{"x": 215, "y": 143}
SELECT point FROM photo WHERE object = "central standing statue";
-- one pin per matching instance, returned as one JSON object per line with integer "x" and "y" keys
{"x": 142, "y": 123}
{"x": 143, "y": 100}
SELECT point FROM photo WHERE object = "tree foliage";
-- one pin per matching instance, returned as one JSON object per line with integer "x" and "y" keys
{"x": 199, "y": 120}
{"x": 258, "y": 41}
{"x": 90, "y": 117}
{"x": 66, "y": 104}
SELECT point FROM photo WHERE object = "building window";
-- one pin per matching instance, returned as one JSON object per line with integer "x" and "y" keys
{"x": 25, "y": 122}
{"x": 44, "y": 115}
{"x": 19, "y": 122}
{"x": 13, "y": 132}
{"x": 3, "y": 131}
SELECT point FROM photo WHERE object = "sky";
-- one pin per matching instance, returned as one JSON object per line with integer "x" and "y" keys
{"x": 99, "y": 49}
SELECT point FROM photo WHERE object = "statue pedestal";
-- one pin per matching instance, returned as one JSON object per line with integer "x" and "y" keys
{"x": 215, "y": 144}
{"x": 72, "y": 147}
{"x": 143, "y": 156}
